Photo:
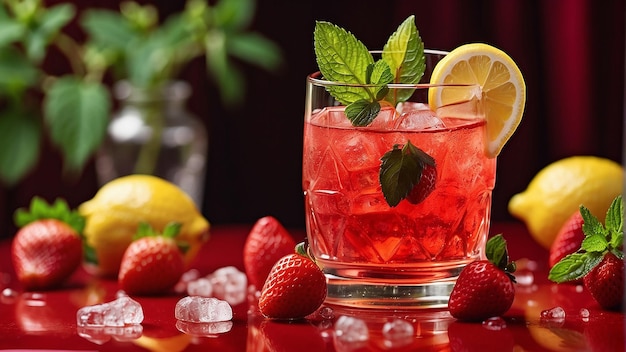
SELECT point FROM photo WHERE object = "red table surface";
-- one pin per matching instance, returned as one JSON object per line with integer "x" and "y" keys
{"x": 52, "y": 326}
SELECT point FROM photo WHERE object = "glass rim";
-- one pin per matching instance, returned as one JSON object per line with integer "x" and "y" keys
{"x": 313, "y": 78}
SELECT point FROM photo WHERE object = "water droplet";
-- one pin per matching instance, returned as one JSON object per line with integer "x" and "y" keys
{"x": 584, "y": 314}
{"x": 326, "y": 312}
{"x": 494, "y": 323}
{"x": 553, "y": 313}
{"x": 524, "y": 277}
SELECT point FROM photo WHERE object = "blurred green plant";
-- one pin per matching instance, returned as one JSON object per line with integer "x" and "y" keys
{"x": 72, "y": 109}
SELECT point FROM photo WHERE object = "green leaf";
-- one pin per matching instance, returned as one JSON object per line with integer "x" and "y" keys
{"x": 16, "y": 73}
{"x": 55, "y": 18}
{"x": 496, "y": 251}
{"x": 40, "y": 209}
{"x": 614, "y": 222}
{"x": 76, "y": 113}
{"x": 574, "y": 266}
{"x": 362, "y": 112}
{"x": 404, "y": 53}
{"x": 228, "y": 78}
{"x": 255, "y": 49}
{"x": 233, "y": 14}
{"x": 342, "y": 58}
{"x": 11, "y": 31}
{"x": 401, "y": 170}
{"x": 172, "y": 229}
{"x": 20, "y": 140}
{"x": 108, "y": 28}
{"x": 48, "y": 25}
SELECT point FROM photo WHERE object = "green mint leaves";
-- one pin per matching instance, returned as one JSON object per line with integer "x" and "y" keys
{"x": 599, "y": 240}
{"x": 401, "y": 170}
{"x": 341, "y": 57}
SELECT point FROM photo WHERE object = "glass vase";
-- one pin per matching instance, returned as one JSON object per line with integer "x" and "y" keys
{"x": 153, "y": 133}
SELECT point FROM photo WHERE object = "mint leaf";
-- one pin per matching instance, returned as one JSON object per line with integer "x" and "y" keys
{"x": 77, "y": 113}
{"x": 341, "y": 58}
{"x": 574, "y": 266}
{"x": 401, "y": 170}
{"x": 20, "y": 142}
{"x": 362, "y": 112}
{"x": 404, "y": 53}
{"x": 599, "y": 240}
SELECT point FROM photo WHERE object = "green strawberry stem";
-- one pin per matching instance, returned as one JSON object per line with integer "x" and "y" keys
{"x": 39, "y": 209}
{"x": 599, "y": 240}
{"x": 497, "y": 253}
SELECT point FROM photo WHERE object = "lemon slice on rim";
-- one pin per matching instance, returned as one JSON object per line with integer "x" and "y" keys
{"x": 503, "y": 91}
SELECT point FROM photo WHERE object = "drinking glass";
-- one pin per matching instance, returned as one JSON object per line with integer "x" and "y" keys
{"x": 408, "y": 255}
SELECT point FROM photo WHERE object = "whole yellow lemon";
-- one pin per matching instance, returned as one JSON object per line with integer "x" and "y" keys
{"x": 558, "y": 190}
{"x": 114, "y": 213}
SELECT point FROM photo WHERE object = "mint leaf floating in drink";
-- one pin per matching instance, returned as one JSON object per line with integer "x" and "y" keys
{"x": 341, "y": 57}
{"x": 401, "y": 171}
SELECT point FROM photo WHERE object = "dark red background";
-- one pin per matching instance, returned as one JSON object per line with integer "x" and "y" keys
{"x": 571, "y": 53}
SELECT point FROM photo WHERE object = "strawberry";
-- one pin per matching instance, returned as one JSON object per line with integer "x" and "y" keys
{"x": 267, "y": 242}
{"x": 425, "y": 186}
{"x": 605, "y": 282}
{"x": 153, "y": 263}
{"x": 600, "y": 259}
{"x": 295, "y": 288}
{"x": 47, "y": 248}
{"x": 484, "y": 289}
{"x": 568, "y": 239}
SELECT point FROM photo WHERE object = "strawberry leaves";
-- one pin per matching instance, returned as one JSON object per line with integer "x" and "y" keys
{"x": 39, "y": 209}
{"x": 599, "y": 240}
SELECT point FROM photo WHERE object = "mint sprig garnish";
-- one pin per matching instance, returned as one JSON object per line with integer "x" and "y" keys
{"x": 401, "y": 170}
{"x": 341, "y": 57}
{"x": 599, "y": 240}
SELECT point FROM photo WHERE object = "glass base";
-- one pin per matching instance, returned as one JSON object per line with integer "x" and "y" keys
{"x": 363, "y": 294}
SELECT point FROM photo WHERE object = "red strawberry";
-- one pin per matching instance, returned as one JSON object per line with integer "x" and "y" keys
{"x": 152, "y": 264}
{"x": 45, "y": 253}
{"x": 267, "y": 242}
{"x": 425, "y": 185}
{"x": 568, "y": 240}
{"x": 600, "y": 259}
{"x": 48, "y": 248}
{"x": 605, "y": 282}
{"x": 484, "y": 289}
{"x": 295, "y": 288}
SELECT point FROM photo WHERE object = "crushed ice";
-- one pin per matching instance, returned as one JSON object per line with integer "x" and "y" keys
{"x": 204, "y": 329}
{"x": 226, "y": 283}
{"x": 198, "y": 309}
{"x": 122, "y": 311}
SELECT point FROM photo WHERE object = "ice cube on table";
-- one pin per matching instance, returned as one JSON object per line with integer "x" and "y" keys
{"x": 204, "y": 329}
{"x": 351, "y": 329}
{"x": 200, "y": 287}
{"x": 229, "y": 284}
{"x": 101, "y": 334}
{"x": 119, "y": 312}
{"x": 202, "y": 310}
